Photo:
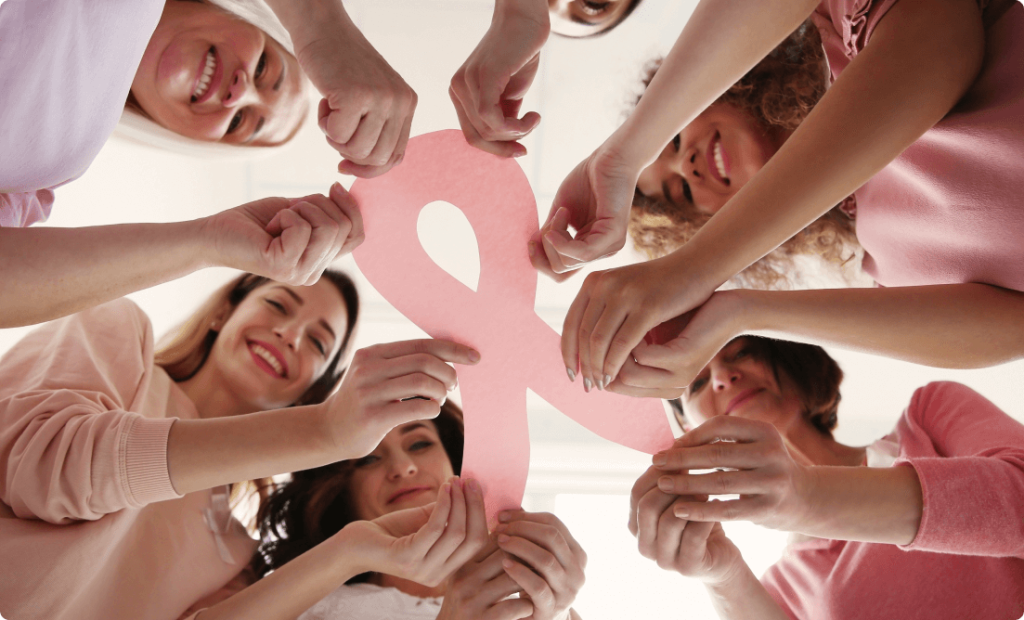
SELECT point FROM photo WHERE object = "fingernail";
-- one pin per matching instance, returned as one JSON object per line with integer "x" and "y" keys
{"x": 444, "y": 399}
{"x": 600, "y": 385}
{"x": 473, "y": 485}
{"x": 502, "y": 538}
{"x": 665, "y": 483}
{"x": 337, "y": 185}
{"x": 518, "y": 153}
{"x": 682, "y": 513}
{"x": 532, "y": 249}
{"x": 659, "y": 459}
{"x": 474, "y": 356}
{"x": 607, "y": 380}
{"x": 571, "y": 373}
{"x": 504, "y": 517}
{"x": 507, "y": 563}
{"x": 586, "y": 384}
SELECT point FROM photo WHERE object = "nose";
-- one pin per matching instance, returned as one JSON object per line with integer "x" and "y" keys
{"x": 687, "y": 165}
{"x": 724, "y": 375}
{"x": 240, "y": 90}
{"x": 401, "y": 466}
{"x": 290, "y": 335}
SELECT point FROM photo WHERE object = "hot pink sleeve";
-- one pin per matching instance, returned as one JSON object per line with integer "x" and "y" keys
{"x": 969, "y": 456}
{"x": 74, "y": 442}
{"x": 25, "y": 208}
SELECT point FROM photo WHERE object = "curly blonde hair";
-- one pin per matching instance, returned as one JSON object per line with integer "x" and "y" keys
{"x": 778, "y": 93}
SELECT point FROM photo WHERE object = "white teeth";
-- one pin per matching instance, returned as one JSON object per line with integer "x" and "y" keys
{"x": 204, "y": 79}
{"x": 269, "y": 358}
{"x": 719, "y": 162}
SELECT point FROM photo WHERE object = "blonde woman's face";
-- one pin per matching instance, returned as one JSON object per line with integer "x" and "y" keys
{"x": 709, "y": 161}
{"x": 405, "y": 471}
{"x": 210, "y": 76}
{"x": 278, "y": 341}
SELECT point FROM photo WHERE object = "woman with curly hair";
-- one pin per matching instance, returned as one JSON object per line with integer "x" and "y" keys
{"x": 922, "y": 523}
{"x": 533, "y": 554}
{"x": 921, "y": 125}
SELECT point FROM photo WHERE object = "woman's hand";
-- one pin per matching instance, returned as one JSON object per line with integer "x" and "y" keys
{"x": 387, "y": 385}
{"x": 287, "y": 240}
{"x": 367, "y": 109}
{"x": 774, "y": 490}
{"x": 691, "y": 548}
{"x": 425, "y": 544}
{"x": 545, "y": 561}
{"x": 674, "y": 352}
{"x": 594, "y": 200}
{"x": 613, "y": 312}
{"x": 489, "y": 87}
{"x": 480, "y": 590}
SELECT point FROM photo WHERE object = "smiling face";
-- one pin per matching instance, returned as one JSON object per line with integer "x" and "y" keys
{"x": 709, "y": 161}
{"x": 582, "y": 18}
{"x": 210, "y": 76}
{"x": 405, "y": 471}
{"x": 737, "y": 383}
{"x": 277, "y": 342}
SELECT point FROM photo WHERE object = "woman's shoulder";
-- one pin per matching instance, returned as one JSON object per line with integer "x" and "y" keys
{"x": 365, "y": 601}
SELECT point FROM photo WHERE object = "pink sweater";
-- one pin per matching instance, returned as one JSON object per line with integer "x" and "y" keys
{"x": 967, "y": 561}
{"x": 948, "y": 209}
{"x": 90, "y": 526}
{"x": 66, "y": 67}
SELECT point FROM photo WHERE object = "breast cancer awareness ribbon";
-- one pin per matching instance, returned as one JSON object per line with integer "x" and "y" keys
{"x": 518, "y": 349}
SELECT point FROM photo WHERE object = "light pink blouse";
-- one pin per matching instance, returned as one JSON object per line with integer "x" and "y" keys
{"x": 90, "y": 526}
{"x": 66, "y": 67}
{"x": 949, "y": 209}
{"x": 967, "y": 560}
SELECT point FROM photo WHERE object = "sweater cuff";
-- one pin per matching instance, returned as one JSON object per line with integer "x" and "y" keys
{"x": 144, "y": 472}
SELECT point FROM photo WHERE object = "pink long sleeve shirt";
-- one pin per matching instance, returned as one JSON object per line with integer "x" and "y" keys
{"x": 967, "y": 560}
{"x": 949, "y": 209}
{"x": 66, "y": 67}
{"x": 90, "y": 526}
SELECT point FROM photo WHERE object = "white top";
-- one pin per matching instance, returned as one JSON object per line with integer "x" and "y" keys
{"x": 365, "y": 601}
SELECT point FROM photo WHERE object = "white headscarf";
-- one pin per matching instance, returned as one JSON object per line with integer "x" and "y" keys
{"x": 135, "y": 127}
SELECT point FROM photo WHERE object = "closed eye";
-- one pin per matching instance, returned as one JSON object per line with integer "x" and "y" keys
{"x": 697, "y": 384}
{"x": 277, "y": 305}
{"x": 236, "y": 122}
{"x": 366, "y": 461}
{"x": 319, "y": 345}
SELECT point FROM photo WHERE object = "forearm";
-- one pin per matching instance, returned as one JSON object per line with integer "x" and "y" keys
{"x": 536, "y": 10}
{"x": 875, "y": 110}
{"x": 980, "y": 325}
{"x": 309, "y": 20}
{"x": 53, "y": 272}
{"x": 867, "y": 504}
{"x": 719, "y": 44}
{"x": 292, "y": 589}
{"x": 203, "y": 454}
{"x": 741, "y": 597}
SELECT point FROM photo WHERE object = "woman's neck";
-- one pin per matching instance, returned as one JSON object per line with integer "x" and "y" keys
{"x": 207, "y": 392}
{"x": 409, "y": 587}
{"x": 809, "y": 446}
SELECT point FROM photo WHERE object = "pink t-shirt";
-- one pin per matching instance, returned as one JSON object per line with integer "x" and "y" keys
{"x": 950, "y": 208}
{"x": 967, "y": 560}
{"x": 90, "y": 526}
{"x": 66, "y": 67}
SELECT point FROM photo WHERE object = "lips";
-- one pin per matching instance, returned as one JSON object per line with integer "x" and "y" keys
{"x": 268, "y": 358}
{"x": 741, "y": 398}
{"x": 404, "y": 494}
{"x": 718, "y": 163}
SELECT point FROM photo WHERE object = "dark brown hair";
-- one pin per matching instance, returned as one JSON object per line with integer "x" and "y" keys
{"x": 778, "y": 93}
{"x": 304, "y": 512}
{"x": 812, "y": 371}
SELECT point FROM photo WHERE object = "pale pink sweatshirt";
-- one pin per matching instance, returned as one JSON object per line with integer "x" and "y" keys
{"x": 967, "y": 561}
{"x": 66, "y": 67}
{"x": 949, "y": 209}
{"x": 90, "y": 526}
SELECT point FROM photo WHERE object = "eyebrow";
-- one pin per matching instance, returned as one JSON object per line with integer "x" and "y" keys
{"x": 412, "y": 427}
{"x": 302, "y": 302}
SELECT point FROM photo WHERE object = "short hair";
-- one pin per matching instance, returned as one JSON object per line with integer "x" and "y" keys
{"x": 315, "y": 504}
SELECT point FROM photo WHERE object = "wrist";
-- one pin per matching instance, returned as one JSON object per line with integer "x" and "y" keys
{"x": 347, "y": 562}
{"x": 313, "y": 20}
{"x": 202, "y": 247}
{"x": 730, "y": 579}
{"x": 535, "y": 11}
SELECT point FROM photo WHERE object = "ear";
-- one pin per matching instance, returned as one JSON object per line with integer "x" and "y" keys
{"x": 220, "y": 317}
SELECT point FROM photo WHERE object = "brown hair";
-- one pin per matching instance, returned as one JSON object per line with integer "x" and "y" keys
{"x": 302, "y": 513}
{"x": 812, "y": 370}
{"x": 184, "y": 351}
{"x": 778, "y": 93}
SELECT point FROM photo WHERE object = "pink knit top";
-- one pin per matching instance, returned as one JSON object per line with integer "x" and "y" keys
{"x": 967, "y": 560}
{"x": 949, "y": 209}
{"x": 90, "y": 525}
{"x": 66, "y": 67}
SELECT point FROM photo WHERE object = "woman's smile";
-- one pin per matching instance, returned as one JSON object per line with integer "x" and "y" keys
{"x": 210, "y": 75}
{"x": 269, "y": 359}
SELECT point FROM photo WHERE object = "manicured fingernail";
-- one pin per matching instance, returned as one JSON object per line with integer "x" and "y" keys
{"x": 474, "y": 356}
{"x": 659, "y": 459}
{"x": 607, "y": 380}
{"x": 504, "y": 517}
{"x": 502, "y": 538}
{"x": 571, "y": 373}
{"x": 682, "y": 513}
{"x": 586, "y": 384}
{"x": 665, "y": 483}
{"x": 518, "y": 153}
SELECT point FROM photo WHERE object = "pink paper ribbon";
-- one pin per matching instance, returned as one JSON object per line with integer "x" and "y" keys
{"x": 518, "y": 349}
